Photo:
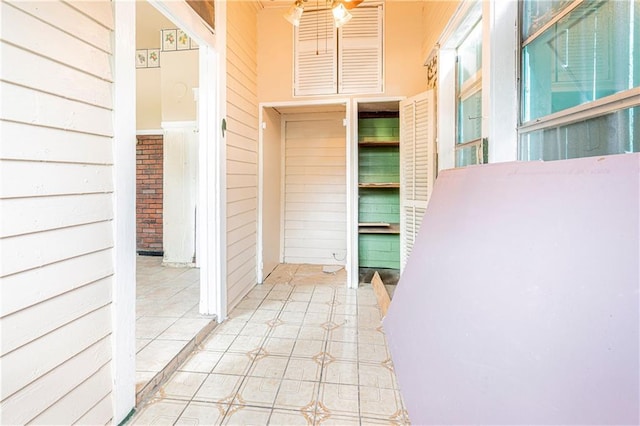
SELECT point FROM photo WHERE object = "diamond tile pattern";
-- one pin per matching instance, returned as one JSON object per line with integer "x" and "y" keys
{"x": 300, "y": 349}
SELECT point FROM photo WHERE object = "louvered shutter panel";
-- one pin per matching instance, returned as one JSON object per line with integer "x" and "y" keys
{"x": 315, "y": 69}
{"x": 360, "y": 52}
{"x": 418, "y": 171}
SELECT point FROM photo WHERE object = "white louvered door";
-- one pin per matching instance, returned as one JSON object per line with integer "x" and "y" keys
{"x": 315, "y": 59}
{"x": 418, "y": 160}
{"x": 360, "y": 52}
{"x": 348, "y": 60}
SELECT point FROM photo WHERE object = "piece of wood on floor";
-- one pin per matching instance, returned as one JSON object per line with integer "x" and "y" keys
{"x": 331, "y": 269}
{"x": 381, "y": 293}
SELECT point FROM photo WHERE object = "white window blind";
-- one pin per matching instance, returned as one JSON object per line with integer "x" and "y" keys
{"x": 360, "y": 52}
{"x": 345, "y": 60}
{"x": 418, "y": 157}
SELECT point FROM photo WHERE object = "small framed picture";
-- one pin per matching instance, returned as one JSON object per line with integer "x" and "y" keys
{"x": 169, "y": 41}
{"x": 153, "y": 58}
{"x": 182, "y": 40}
{"x": 193, "y": 44}
{"x": 141, "y": 58}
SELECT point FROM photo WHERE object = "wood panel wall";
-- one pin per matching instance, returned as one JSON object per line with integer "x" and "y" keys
{"x": 436, "y": 15}
{"x": 315, "y": 227}
{"x": 242, "y": 148}
{"x": 56, "y": 198}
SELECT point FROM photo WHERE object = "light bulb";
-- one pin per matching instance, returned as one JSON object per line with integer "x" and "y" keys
{"x": 340, "y": 14}
{"x": 294, "y": 14}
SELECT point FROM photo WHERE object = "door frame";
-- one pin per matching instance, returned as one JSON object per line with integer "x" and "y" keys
{"x": 349, "y": 182}
{"x": 212, "y": 177}
{"x": 354, "y": 274}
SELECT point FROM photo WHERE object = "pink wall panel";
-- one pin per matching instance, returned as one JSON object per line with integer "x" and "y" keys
{"x": 520, "y": 302}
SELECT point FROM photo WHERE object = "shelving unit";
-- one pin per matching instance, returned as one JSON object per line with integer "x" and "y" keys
{"x": 379, "y": 191}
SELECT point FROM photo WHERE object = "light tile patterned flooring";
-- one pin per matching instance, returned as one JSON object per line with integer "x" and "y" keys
{"x": 300, "y": 349}
{"x": 167, "y": 317}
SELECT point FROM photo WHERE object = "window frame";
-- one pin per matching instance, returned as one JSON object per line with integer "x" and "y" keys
{"x": 589, "y": 110}
{"x": 465, "y": 90}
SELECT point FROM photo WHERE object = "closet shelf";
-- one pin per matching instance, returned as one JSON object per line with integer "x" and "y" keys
{"x": 379, "y": 143}
{"x": 378, "y": 228}
{"x": 379, "y": 185}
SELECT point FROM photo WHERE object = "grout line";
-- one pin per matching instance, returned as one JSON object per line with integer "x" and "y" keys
{"x": 265, "y": 337}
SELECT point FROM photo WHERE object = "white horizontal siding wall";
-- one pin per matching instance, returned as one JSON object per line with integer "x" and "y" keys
{"x": 315, "y": 218}
{"x": 56, "y": 200}
{"x": 242, "y": 149}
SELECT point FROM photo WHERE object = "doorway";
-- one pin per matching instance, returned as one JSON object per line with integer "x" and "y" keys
{"x": 210, "y": 300}
{"x": 303, "y": 185}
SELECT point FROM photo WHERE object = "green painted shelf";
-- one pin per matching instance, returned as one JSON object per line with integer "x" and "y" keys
{"x": 379, "y": 193}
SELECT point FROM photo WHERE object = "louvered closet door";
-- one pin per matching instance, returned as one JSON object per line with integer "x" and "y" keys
{"x": 418, "y": 166}
{"x": 315, "y": 55}
{"x": 360, "y": 52}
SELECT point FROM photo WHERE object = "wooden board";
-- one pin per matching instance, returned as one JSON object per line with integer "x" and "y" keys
{"x": 390, "y": 228}
{"x": 381, "y": 293}
{"x": 379, "y": 185}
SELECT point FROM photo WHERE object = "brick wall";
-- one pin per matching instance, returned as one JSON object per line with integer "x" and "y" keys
{"x": 149, "y": 194}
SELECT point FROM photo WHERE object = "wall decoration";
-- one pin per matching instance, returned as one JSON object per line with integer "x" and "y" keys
{"x": 141, "y": 58}
{"x": 169, "y": 40}
{"x": 153, "y": 58}
{"x": 432, "y": 69}
{"x": 182, "y": 40}
{"x": 176, "y": 39}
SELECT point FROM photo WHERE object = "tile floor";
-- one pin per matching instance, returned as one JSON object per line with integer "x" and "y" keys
{"x": 167, "y": 319}
{"x": 299, "y": 349}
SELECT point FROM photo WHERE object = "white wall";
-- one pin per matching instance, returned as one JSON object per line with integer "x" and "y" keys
{"x": 178, "y": 78}
{"x": 56, "y": 197}
{"x": 180, "y": 191}
{"x": 315, "y": 215}
{"x": 271, "y": 190}
{"x": 242, "y": 148}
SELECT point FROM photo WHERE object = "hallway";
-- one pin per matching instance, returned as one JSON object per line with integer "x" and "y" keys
{"x": 299, "y": 349}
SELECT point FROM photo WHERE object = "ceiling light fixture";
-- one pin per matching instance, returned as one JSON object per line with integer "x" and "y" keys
{"x": 294, "y": 14}
{"x": 339, "y": 10}
{"x": 350, "y": 4}
{"x": 340, "y": 13}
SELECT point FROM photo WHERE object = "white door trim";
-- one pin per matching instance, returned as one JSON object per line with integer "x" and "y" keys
{"x": 259, "y": 230}
{"x": 352, "y": 188}
{"x": 123, "y": 343}
{"x": 211, "y": 196}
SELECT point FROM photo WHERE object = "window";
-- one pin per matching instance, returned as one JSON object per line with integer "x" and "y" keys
{"x": 469, "y": 98}
{"x": 580, "y": 85}
{"x": 345, "y": 60}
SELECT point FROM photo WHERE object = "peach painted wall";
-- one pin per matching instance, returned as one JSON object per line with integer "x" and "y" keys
{"x": 404, "y": 29}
